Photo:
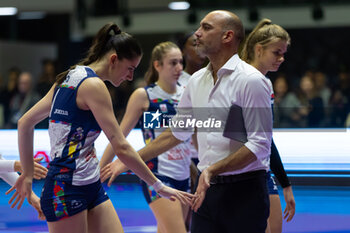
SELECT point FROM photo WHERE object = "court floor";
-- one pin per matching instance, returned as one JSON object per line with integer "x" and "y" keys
{"x": 321, "y": 209}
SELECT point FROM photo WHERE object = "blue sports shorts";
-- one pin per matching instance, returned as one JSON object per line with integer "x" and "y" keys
{"x": 60, "y": 200}
{"x": 271, "y": 184}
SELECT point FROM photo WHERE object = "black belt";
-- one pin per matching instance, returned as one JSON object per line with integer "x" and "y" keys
{"x": 236, "y": 178}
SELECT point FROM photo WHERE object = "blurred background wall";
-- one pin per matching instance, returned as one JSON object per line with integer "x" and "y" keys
{"x": 38, "y": 30}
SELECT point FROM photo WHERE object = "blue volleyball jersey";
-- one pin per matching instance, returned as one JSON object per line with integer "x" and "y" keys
{"x": 72, "y": 133}
{"x": 175, "y": 162}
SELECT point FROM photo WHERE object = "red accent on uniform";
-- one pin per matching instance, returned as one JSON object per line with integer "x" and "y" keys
{"x": 150, "y": 165}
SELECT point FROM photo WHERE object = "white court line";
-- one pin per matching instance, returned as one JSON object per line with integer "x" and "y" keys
{"x": 139, "y": 229}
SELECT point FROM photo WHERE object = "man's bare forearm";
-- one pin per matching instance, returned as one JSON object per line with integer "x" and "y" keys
{"x": 164, "y": 142}
{"x": 234, "y": 161}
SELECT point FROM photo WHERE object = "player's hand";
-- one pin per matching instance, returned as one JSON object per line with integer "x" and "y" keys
{"x": 111, "y": 171}
{"x": 23, "y": 190}
{"x": 290, "y": 203}
{"x": 37, "y": 206}
{"x": 203, "y": 185}
{"x": 173, "y": 194}
{"x": 40, "y": 171}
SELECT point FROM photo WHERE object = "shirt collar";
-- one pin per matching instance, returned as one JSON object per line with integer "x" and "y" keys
{"x": 231, "y": 64}
{"x": 228, "y": 67}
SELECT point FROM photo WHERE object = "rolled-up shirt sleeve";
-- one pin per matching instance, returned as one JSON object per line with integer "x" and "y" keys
{"x": 257, "y": 115}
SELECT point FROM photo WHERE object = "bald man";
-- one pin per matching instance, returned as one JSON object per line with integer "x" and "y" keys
{"x": 231, "y": 194}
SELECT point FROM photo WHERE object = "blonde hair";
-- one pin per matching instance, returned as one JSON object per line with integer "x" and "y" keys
{"x": 264, "y": 33}
{"x": 158, "y": 53}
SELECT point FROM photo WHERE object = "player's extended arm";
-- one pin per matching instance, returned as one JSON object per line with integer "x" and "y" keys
{"x": 161, "y": 144}
{"x": 96, "y": 97}
{"x": 137, "y": 104}
{"x": 26, "y": 125}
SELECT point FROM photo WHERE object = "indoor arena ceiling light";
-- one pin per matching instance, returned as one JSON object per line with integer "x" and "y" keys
{"x": 179, "y": 5}
{"x": 8, "y": 10}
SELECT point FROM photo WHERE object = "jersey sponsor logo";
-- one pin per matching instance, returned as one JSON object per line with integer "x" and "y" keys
{"x": 174, "y": 157}
{"x": 163, "y": 108}
{"x": 76, "y": 204}
{"x": 61, "y": 112}
{"x": 62, "y": 176}
{"x": 177, "y": 153}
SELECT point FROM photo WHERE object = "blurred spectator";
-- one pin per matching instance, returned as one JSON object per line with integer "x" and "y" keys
{"x": 347, "y": 122}
{"x": 286, "y": 105}
{"x": 340, "y": 101}
{"x": 45, "y": 82}
{"x": 312, "y": 104}
{"x": 8, "y": 92}
{"x": 47, "y": 77}
{"x": 321, "y": 87}
{"x": 23, "y": 100}
{"x": 344, "y": 83}
{"x": 323, "y": 90}
{"x": 338, "y": 109}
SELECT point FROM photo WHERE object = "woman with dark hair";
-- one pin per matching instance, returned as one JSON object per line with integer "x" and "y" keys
{"x": 161, "y": 94}
{"x": 79, "y": 106}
